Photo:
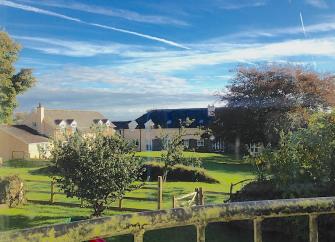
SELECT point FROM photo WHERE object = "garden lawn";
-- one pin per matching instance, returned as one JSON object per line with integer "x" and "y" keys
{"x": 221, "y": 167}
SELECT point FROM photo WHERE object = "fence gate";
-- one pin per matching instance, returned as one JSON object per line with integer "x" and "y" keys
{"x": 191, "y": 199}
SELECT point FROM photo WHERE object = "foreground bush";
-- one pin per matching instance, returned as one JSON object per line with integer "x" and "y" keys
{"x": 98, "y": 168}
{"x": 11, "y": 191}
{"x": 177, "y": 173}
{"x": 302, "y": 166}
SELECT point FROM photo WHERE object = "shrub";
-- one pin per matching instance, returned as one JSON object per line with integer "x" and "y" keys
{"x": 11, "y": 191}
{"x": 98, "y": 168}
{"x": 177, "y": 173}
{"x": 304, "y": 156}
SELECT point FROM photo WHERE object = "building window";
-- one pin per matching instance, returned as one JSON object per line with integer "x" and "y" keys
{"x": 255, "y": 149}
{"x": 149, "y": 145}
{"x": 186, "y": 143}
{"x": 200, "y": 142}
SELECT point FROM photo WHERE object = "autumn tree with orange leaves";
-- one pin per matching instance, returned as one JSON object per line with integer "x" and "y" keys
{"x": 266, "y": 99}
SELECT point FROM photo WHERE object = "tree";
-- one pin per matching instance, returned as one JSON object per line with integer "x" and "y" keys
{"x": 97, "y": 168}
{"x": 11, "y": 83}
{"x": 305, "y": 156}
{"x": 173, "y": 150}
{"x": 263, "y": 100}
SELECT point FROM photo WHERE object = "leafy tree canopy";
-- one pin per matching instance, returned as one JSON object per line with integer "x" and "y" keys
{"x": 11, "y": 83}
{"x": 97, "y": 168}
{"x": 263, "y": 100}
{"x": 305, "y": 156}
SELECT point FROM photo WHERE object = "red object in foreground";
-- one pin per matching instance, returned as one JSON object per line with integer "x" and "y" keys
{"x": 97, "y": 240}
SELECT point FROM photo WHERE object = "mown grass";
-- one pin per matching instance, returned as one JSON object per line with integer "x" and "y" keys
{"x": 222, "y": 167}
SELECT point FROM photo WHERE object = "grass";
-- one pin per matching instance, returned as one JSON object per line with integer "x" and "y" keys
{"x": 222, "y": 167}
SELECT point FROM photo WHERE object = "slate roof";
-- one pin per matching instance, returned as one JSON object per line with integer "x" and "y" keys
{"x": 84, "y": 119}
{"x": 24, "y": 133}
{"x": 169, "y": 118}
{"x": 121, "y": 124}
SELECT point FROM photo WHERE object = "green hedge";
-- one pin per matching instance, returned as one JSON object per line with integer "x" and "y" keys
{"x": 178, "y": 173}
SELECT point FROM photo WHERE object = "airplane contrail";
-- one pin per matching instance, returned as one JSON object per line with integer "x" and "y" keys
{"x": 54, "y": 14}
{"x": 302, "y": 24}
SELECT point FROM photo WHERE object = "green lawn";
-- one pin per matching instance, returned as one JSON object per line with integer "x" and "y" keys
{"x": 222, "y": 167}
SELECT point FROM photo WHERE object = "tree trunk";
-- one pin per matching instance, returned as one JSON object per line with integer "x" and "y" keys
{"x": 98, "y": 208}
{"x": 237, "y": 147}
{"x": 165, "y": 173}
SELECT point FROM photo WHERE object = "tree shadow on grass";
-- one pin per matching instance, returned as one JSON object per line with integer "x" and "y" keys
{"x": 26, "y": 163}
{"x": 11, "y": 222}
{"x": 213, "y": 164}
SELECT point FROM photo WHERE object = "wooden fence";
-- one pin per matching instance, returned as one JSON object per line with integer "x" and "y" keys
{"x": 53, "y": 193}
{"x": 197, "y": 197}
{"x": 191, "y": 199}
{"x": 138, "y": 224}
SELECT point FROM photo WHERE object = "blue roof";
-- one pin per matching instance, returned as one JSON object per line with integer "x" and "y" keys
{"x": 170, "y": 118}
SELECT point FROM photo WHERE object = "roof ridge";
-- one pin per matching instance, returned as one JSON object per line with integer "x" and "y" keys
{"x": 71, "y": 110}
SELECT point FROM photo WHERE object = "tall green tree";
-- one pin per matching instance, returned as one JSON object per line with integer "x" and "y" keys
{"x": 97, "y": 168}
{"x": 173, "y": 149}
{"x": 12, "y": 83}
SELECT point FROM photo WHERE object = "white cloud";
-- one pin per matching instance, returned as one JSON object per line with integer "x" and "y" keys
{"x": 115, "y": 105}
{"x": 54, "y": 14}
{"x": 317, "y": 3}
{"x": 74, "y": 48}
{"x": 243, "y": 53}
{"x": 37, "y": 10}
{"x": 233, "y": 4}
{"x": 316, "y": 28}
{"x": 113, "y": 12}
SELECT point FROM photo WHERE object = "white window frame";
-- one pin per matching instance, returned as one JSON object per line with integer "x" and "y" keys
{"x": 200, "y": 143}
{"x": 186, "y": 143}
{"x": 255, "y": 148}
{"x": 148, "y": 145}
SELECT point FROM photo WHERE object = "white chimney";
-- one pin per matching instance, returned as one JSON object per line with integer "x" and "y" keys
{"x": 40, "y": 118}
{"x": 211, "y": 110}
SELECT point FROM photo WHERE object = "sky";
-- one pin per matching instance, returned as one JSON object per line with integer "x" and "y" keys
{"x": 123, "y": 58}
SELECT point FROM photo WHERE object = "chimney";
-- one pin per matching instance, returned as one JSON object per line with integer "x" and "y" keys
{"x": 40, "y": 119}
{"x": 211, "y": 110}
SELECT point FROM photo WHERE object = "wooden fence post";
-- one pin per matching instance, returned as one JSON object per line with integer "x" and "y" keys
{"x": 160, "y": 193}
{"x": 120, "y": 202}
{"x": 52, "y": 191}
{"x": 231, "y": 190}
{"x": 201, "y": 196}
{"x": 81, "y": 202}
{"x": 174, "y": 202}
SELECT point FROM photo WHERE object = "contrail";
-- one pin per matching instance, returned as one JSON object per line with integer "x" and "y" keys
{"x": 304, "y": 30}
{"x": 169, "y": 42}
{"x": 51, "y": 13}
{"x": 302, "y": 24}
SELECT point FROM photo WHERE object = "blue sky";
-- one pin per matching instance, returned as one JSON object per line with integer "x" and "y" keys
{"x": 125, "y": 57}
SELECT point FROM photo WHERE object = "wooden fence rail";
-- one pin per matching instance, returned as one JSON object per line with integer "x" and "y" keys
{"x": 199, "y": 216}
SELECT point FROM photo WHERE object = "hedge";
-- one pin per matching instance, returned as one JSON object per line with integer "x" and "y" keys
{"x": 177, "y": 173}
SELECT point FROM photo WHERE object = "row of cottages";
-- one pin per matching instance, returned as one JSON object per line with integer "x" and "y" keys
{"x": 146, "y": 131}
{"x": 24, "y": 140}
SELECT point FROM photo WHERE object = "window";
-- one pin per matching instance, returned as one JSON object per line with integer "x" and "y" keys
{"x": 255, "y": 149}
{"x": 186, "y": 143}
{"x": 200, "y": 142}
{"x": 149, "y": 145}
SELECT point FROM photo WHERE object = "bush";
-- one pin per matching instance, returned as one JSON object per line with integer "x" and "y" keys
{"x": 98, "y": 168}
{"x": 295, "y": 226}
{"x": 177, "y": 173}
{"x": 11, "y": 191}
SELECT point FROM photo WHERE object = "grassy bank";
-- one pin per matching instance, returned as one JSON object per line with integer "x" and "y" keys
{"x": 221, "y": 167}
